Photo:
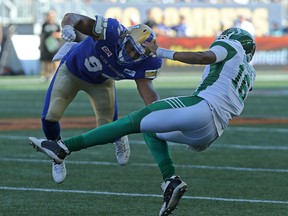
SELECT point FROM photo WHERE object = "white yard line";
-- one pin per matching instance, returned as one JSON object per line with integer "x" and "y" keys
{"x": 47, "y": 190}
{"x": 101, "y": 163}
{"x": 215, "y": 145}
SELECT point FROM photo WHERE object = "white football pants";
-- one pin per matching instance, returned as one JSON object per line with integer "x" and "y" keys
{"x": 193, "y": 125}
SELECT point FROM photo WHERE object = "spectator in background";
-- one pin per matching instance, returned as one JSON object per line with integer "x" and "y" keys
{"x": 1, "y": 41}
{"x": 181, "y": 28}
{"x": 6, "y": 43}
{"x": 49, "y": 45}
{"x": 246, "y": 24}
{"x": 221, "y": 28}
{"x": 134, "y": 20}
{"x": 276, "y": 29}
{"x": 162, "y": 29}
{"x": 150, "y": 19}
{"x": 285, "y": 30}
{"x": 1, "y": 37}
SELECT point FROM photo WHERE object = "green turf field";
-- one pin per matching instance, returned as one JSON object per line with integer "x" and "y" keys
{"x": 245, "y": 172}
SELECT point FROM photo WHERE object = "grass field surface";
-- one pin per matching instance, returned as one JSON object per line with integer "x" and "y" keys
{"x": 245, "y": 172}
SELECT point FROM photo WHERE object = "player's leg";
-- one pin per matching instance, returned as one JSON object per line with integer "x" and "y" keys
{"x": 192, "y": 125}
{"x": 136, "y": 122}
{"x": 160, "y": 152}
{"x": 153, "y": 118}
{"x": 122, "y": 146}
{"x": 133, "y": 123}
{"x": 173, "y": 187}
{"x": 104, "y": 102}
{"x": 44, "y": 71}
{"x": 61, "y": 92}
{"x": 102, "y": 99}
{"x": 107, "y": 133}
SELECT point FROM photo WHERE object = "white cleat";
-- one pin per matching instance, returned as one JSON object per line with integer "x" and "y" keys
{"x": 56, "y": 150}
{"x": 59, "y": 172}
{"x": 122, "y": 150}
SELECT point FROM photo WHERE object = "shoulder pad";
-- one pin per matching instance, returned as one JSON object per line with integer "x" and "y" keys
{"x": 100, "y": 27}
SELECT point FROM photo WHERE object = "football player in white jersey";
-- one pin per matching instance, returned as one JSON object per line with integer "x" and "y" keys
{"x": 108, "y": 52}
{"x": 196, "y": 120}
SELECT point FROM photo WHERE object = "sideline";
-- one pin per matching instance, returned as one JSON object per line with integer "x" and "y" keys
{"x": 89, "y": 122}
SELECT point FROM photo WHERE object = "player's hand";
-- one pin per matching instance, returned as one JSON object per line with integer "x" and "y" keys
{"x": 68, "y": 33}
{"x": 152, "y": 46}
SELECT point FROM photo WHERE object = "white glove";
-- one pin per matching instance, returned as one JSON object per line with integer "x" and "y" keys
{"x": 68, "y": 33}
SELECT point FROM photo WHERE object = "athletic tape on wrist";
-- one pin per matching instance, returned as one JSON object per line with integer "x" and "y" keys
{"x": 165, "y": 53}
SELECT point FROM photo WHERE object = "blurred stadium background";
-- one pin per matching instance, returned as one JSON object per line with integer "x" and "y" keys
{"x": 21, "y": 24}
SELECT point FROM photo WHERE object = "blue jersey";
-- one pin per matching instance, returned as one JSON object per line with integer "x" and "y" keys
{"x": 96, "y": 61}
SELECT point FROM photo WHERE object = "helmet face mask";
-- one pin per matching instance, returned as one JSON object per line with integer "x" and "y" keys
{"x": 130, "y": 50}
{"x": 244, "y": 37}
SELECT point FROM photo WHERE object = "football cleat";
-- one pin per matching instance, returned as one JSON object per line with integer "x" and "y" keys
{"x": 173, "y": 189}
{"x": 122, "y": 150}
{"x": 59, "y": 172}
{"x": 56, "y": 150}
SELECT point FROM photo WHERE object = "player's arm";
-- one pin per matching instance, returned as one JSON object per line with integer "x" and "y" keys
{"x": 83, "y": 24}
{"x": 216, "y": 54}
{"x": 146, "y": 90}
{"x": 206, "y": 57}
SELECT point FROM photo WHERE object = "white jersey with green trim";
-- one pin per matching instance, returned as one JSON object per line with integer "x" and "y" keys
{"x": 225, "y": 85}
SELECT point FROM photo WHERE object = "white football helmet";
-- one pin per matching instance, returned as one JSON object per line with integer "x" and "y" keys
{"x": 130, "y": 49}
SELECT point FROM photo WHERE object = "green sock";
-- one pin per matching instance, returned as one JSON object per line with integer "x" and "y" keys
{"x": 108, "y": 133}
{"x": 161, "y": 154}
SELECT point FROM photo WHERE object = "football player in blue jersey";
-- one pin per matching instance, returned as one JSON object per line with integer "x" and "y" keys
{"x": 196, "y": 120}
{"x": 107, "y": 52}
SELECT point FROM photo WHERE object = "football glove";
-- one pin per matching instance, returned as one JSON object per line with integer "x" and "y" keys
{"x": 68, "y": 33}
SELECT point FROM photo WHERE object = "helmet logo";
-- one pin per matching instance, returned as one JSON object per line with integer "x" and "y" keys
{"x": 235, "y": 31}
{"x": 135, "y": 26}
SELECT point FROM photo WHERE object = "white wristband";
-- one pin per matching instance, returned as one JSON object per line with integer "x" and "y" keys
{"x": 165, "y": 53}
{"x": 98, "y": 27}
